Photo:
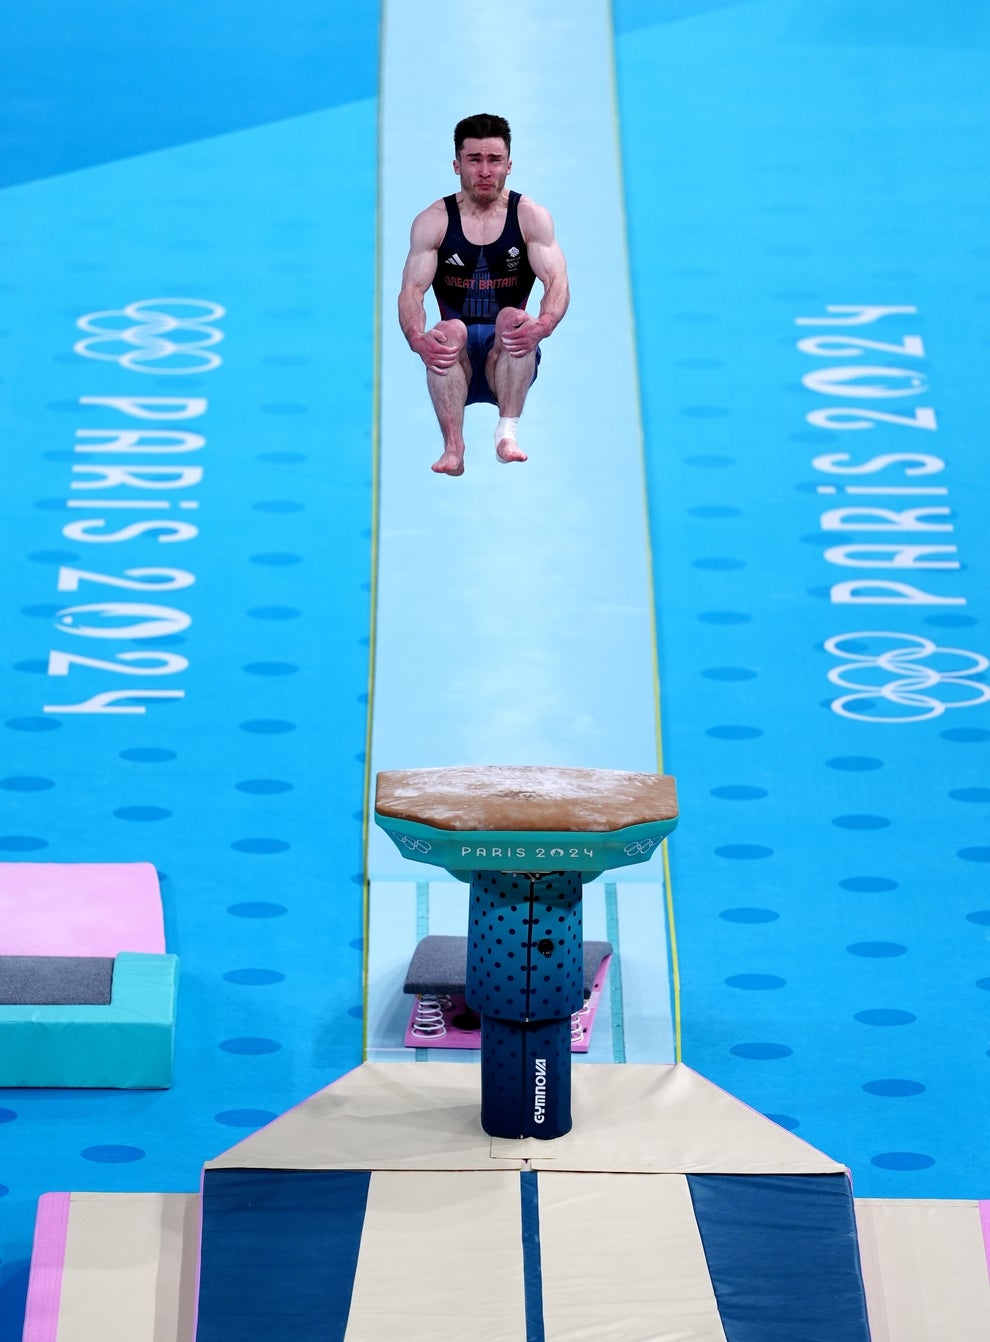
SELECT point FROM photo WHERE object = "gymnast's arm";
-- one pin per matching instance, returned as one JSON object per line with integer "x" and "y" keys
{"x": 421, "y": 265}
{"x": 548, "y": 264}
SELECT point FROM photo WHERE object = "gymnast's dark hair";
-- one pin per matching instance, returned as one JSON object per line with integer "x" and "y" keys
{"x": 482, "y": 126}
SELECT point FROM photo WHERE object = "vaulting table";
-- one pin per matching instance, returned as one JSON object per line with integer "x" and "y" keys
{"x": 526, "y": 838}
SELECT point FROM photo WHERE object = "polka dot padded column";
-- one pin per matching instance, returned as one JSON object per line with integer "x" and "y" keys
{"x": 525, "y": 979}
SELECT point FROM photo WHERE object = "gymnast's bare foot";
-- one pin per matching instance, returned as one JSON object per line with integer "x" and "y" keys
{"x": 451, "y": 463}
{"x": 509, "y": 450}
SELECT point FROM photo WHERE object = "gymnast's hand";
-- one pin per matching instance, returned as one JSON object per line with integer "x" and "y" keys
{"x": 521, "y": 336}
{"x": 438, "y": 350}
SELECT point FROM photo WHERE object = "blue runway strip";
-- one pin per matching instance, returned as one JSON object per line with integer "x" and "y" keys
{"x": 514, "y": 606}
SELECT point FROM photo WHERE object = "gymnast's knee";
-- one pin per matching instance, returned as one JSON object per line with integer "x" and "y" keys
{"x": 454, "y": 331}
{"x": 508, "y": 318}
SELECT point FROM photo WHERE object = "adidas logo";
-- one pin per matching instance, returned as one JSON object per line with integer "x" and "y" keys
{"x": 454, "y": 260}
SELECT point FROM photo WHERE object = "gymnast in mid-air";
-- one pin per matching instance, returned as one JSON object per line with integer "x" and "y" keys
{"x": 481, "y": 250}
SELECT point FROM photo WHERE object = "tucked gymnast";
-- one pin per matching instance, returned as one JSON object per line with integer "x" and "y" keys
{"x": 481, "y": 250}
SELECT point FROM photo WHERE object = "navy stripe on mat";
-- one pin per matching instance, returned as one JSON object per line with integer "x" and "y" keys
{"x": 783, "y": 1256}
{"x": 529, "y": 1197}
{"x": 279, "y": 1253}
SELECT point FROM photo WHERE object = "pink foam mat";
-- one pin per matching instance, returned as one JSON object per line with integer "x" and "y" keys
{"x": 80, "y": 908}
{"x": 47, "y": 1261}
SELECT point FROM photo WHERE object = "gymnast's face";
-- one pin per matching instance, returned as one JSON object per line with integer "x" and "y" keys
{"x": 483, "y": 166}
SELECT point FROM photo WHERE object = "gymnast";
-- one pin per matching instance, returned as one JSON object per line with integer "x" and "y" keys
{"x": 481, "y": 250}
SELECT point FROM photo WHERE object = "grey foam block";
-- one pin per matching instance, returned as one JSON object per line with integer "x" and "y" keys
{"x": 55, "y": 980}
{"x": 439, "y": 964}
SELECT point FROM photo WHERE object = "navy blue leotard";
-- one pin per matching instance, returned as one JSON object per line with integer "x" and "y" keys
{"x": 474, "y": 281}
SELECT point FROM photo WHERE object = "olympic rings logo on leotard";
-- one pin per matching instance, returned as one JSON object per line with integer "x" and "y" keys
{"x": 155, "y": 335}
{"x": 640, "y": 847}
{"x": 411, "y": 844}
{"x": 898, "y": 676}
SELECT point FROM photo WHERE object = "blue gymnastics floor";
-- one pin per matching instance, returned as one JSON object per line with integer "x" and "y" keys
{"x": 830, "y": 871}
{"x": 246, "y": 792}
{"x": 779, "y": 158}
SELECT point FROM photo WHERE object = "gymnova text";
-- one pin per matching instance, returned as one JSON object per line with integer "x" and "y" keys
{"x": 540, "y": 1090}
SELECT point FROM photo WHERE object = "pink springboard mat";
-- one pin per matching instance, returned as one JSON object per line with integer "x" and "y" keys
{"x": 433, "y": 1021}
{"x": 47, "y": 1261}
{"x": 80, "y": 908}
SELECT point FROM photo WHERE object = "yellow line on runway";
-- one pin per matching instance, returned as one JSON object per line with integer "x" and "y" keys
{"x": 376, "y": 422}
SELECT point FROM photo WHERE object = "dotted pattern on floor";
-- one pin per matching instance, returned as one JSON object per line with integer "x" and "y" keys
{"x": 830, "y": 868}
{"x": 245, "y": 792}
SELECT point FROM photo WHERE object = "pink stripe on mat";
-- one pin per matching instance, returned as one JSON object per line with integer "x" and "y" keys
{"x": 985, "y": 1223}
{"x": 199, "y": 1249}
{"x": 44, "y": 1291}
